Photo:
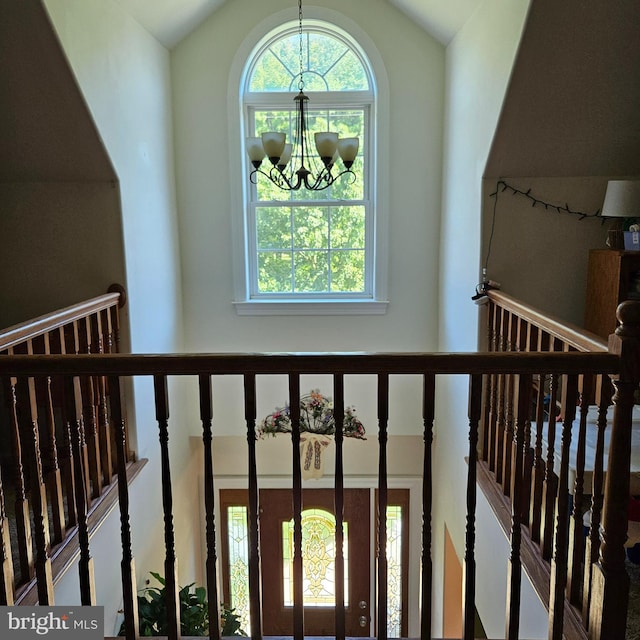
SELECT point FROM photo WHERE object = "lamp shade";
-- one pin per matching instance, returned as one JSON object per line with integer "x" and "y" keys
{"x": 273, "y": 143}
{"x": 326, "y": 144}
{"x": 622, "y": 199}
{"x": 348, "y": 148}
{"x": 255, "y": 149}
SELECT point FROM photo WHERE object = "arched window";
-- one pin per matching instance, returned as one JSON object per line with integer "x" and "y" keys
{"x": 311, "y": 246}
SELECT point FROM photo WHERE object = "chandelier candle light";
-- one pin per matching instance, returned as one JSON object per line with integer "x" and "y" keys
{"x": 274, "y": 146}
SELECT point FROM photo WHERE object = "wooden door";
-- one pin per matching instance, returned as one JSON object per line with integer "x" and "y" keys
{"x": 276, "y": 514}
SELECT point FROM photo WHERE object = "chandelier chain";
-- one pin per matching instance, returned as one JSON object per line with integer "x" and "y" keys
{"x": 301, "y": 81}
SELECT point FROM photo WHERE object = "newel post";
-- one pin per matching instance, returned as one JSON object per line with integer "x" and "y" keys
{"x": 608, "y": 614}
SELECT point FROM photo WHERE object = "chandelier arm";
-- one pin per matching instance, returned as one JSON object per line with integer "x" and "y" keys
{"x": 253, "y": 178}
{"x": 280, "y": 179}
{"x": 328, "y": 179}
{"x": 303, "y": 175}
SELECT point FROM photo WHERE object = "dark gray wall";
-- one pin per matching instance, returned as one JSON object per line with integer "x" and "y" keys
{"x": 60, "y": 219}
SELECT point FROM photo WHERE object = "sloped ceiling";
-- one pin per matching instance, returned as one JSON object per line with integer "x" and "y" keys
{"x": 573, "y": 104}
{"x": 46, "y": 130}
{"x": 572, "y": 107}
{"x": 169, "y": 21}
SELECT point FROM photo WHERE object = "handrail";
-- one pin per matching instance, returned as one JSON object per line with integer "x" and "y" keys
{"x": 30, "y": 329}
{"x": 575, "y": 336}
{"x": 308, "y": 363}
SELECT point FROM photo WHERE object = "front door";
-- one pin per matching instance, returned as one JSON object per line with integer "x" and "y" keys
{"x": 318, "y": 542}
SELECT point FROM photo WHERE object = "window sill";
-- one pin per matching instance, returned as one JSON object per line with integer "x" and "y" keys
{"x": 310, "y": 307}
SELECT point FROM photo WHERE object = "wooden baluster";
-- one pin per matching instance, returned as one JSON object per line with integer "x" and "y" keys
{"x": 114, "y": 318}
{"x": 73, "y": 400}
{"x": 488, "y": 415}
{"x": 610, "y": 581}
{"x": 592, "y": 543}
{"x": 7, "y": 583}
{"x": 490, "y": 444}
{"x": 206, "y": 416}
{"x": 105, "y": 436}
{"x": 338, "y": 416}
{"x": 255, "y": 598}
{"x": 170, "y": 563}
{"x": 110, "y": 340}
{"x": 21, "y": 508}
{"x": 537, "y": 474}
{"x": 51, "y": 469}
{"x": 127, "y": 565}
{"x": 72, "y": 340}
{"x": 514, "y": 579}
{"x": 298, "y": 585}
{"x": 106, "y": 433}
{"x": 90, "y": 412}
{"x": 69, "y": 476}
{"x": 500, "y": 404}
{"x": 383, "y": 420}
{"x": 43, "y": 571}
{"x": 508, "y": 444}
{"x": 538, "y": 466}
{"x": 575, "y": 578}
{"x": 550, "y": 487}
{"x": 530, "y": 343}
{"x": 469, "y": 594}
{"x": 560, "y": 556}
{"x": 428, "y": 414}
{"x": 65, "y": 451}
{"x": 107, "y": 336}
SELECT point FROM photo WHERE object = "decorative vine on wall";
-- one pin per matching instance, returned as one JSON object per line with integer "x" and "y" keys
{"x": 501, "y": 187}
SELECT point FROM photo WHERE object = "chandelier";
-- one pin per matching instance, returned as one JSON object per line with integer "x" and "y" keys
{"x": 329, "y": 147}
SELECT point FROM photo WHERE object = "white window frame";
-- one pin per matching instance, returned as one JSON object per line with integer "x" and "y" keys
{"x": 374, "y": 302}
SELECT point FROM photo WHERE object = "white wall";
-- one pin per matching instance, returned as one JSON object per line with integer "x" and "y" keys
{"x": 202, "y": 66}
{"x": 124, "y": 75}
{"x": 479, "y": 61}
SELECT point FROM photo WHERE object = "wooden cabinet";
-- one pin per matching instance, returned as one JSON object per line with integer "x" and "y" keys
{"x": 613, "y": 277}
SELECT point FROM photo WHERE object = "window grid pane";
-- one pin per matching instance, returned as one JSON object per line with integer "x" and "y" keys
{"x": 311, "y": 248}
{"x": 328, "y": 65}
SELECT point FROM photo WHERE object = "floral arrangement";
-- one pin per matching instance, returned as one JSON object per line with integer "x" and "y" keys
{"x": 316, "y": 416}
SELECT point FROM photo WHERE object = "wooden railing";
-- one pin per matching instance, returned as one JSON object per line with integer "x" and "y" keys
{"x": 554, "y": 466}
{"x": 502, "y": 386}
{"x": 49, "y": 479}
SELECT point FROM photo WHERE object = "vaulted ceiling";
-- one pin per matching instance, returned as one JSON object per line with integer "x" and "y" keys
{"x": 171, "y": 20}
{"x": 572, "y": 107}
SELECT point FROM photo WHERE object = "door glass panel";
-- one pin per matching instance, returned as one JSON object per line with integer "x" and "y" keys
{"x": 318, "y": 559}
{"x": 394, "y": 571}
{"x": 239, "y": 562}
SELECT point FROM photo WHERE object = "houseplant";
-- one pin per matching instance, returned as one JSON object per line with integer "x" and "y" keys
{"x": 194, "y": 612}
